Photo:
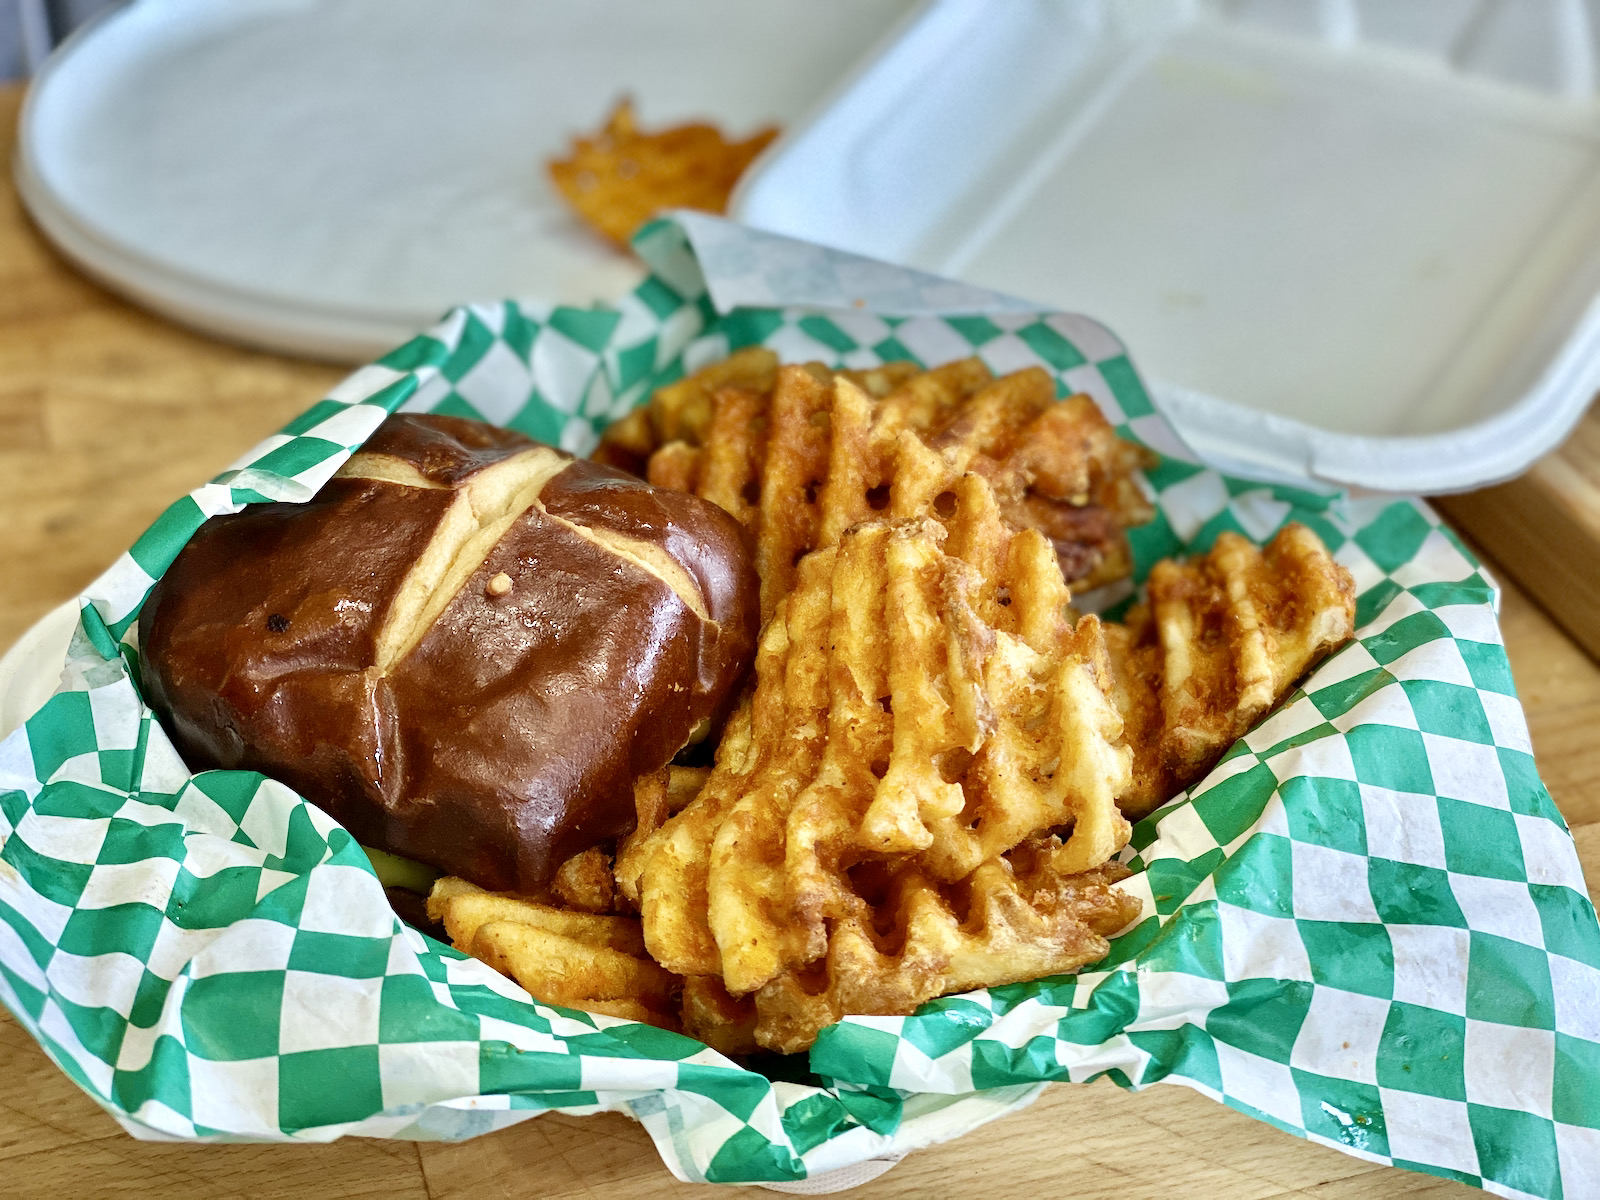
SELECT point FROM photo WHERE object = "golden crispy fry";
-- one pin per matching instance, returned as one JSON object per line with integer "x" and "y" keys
{"x": 652, "y": 1011}
{"x": 445, "y": 889}
{"x": 463, "y": 912}
{"x": 929, "y": 400}
{"x": 673, "y": 888}
{"x": 860, "y": 465}
{"x": 580, "y": 960}
{"x": 883, "y": 381}
{"x": 655, "y": 798}
{"x": 984, "y": 431}
{"x": 801, "y": 454}
{"x": 673, "y": 863}
{"x": 1087, "y": 539}
{"x": 725, "y": 1023}
{"x": 584, "y": 882}
{"x": 916, "y": 716}
{"x": 682, "y": 411}
{"x": 1001, "y": 721}
{"x": 560, "y": 970}
{"x": 683, "y": 785}
{"x": 676, "y": 465}
{"x": 650, "y": 801}
{"x": 736, "y": 445}
{"x": 789, "y": 716}
{"x": 1222, "y": 640}
{"x": 998, "y": 927}
{"x": 650, "y": 805}
{"x": 949, "y": 738}
{"x": 1069, "y": 476}
{"x": 621, "y": 178}
{"x": 628, "y": 443}
{"x": 923, "y": 791}
{"x": 796, "y": 465}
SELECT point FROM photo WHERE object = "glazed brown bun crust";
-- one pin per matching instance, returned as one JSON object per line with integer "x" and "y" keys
{"x": 465, "y": 647}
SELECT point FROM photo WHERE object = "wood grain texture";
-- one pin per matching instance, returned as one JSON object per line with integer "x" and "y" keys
{"x": 1544, "y": 529}
{"x": 107, "y": 414}
{"x": 96, "y": 400}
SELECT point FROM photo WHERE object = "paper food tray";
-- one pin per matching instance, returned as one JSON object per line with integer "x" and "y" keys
{"x": 1367, "y": 926}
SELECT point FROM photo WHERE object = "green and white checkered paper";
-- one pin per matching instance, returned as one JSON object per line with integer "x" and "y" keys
{"x": 1367, "y": 926}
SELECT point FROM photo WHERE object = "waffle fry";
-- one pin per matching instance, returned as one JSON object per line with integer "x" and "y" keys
{"x": 620, "y": 178}
{"x": 724, "y": 1022}
{"x": 998, "y": 926}
{"x": 791, "y": 477}
{"x": 672, "y": 864}
{"x": 770, "y": 742}
{"x": 799, "y": 454}
{"x": 681, "y": 412}
{"x": 1220, "y": 642}
{"x": 655, "y": 797}
{"x": 578, "y": 960}
{"x": 923, "y": 789}
{"x": 585, "y": 882}
{"x": 917, "y": 716}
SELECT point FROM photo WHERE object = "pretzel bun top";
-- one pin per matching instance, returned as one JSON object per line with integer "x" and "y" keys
{"x": 465, "y": 647}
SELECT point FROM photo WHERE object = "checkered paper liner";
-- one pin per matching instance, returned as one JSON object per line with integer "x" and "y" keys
{"x": 1367, "y": 926}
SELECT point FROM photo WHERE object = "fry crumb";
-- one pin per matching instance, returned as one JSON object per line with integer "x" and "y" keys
{"x": 499, "y": 585}
{"x": 619, "y": 178}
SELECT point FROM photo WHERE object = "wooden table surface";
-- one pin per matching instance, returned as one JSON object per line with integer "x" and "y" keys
{"x": 108, "y": 413}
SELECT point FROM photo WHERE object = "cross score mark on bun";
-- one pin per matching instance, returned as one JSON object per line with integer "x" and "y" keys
{"x": 485, "y": 507}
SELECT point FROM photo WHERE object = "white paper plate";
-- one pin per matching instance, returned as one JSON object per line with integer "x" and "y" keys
{"x": 329, "y": 176}
{"x": 1349, "y": 241}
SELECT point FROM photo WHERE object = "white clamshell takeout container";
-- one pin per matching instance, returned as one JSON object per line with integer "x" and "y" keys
{"x": 1356, "y": 242}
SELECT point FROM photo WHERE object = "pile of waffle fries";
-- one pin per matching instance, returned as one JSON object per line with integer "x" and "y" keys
{"x": 923, "y": 789}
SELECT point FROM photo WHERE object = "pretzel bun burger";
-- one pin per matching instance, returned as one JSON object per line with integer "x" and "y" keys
{"x": 465, "y": 647}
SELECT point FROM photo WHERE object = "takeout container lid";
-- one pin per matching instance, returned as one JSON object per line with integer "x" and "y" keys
{"x": 1357, "y": 244}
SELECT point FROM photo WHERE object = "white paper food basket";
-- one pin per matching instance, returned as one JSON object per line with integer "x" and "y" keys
{"x": 1371, "y": 875}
